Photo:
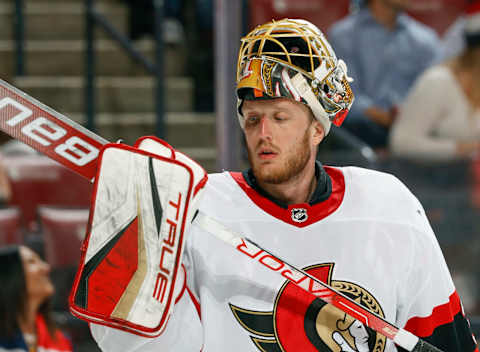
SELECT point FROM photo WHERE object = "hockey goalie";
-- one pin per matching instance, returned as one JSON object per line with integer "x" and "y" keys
{"x": 151, "y": 279}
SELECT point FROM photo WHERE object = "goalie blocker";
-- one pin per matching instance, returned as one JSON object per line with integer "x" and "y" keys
{"x": 143, "y": 203}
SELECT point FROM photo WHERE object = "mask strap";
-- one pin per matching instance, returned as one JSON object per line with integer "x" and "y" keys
{"x": 303, "y": 88}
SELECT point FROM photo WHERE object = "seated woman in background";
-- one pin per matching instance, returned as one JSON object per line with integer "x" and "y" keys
{"x": 25, "y": 320}
{"x": 440, "y": 118}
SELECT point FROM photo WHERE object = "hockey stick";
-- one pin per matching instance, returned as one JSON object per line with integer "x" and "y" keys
{"x": 77, "y": 148}
{"x": 46, "y": 130}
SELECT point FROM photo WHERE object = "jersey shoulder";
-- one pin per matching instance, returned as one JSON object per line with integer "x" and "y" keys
{"x": 375, "y": 194}
{"x": 221, "y": 193}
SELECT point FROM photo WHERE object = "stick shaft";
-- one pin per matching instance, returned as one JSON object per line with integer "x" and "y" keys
{"x": 46, "y": 130}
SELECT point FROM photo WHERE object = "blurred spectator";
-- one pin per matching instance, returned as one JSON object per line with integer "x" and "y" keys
{"x": 453, "y": 41}
{"x": 440, "y": 119}
{"x": 25, "y": 319}
{"x": 5, "y": 188}
{"x": 385, "y": 51}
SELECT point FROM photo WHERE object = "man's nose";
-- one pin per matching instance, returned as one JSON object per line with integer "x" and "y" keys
{"x": 265, "y": 128}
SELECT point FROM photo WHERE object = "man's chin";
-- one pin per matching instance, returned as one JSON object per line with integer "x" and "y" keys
{"x": 269, "y": 174}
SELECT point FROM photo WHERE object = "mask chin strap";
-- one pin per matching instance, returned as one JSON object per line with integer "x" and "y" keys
{"x": 305, "y": 91}
{"x": 241, "y": 119}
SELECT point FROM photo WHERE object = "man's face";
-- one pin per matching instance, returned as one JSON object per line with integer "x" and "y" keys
{"x": 281, "y": 137}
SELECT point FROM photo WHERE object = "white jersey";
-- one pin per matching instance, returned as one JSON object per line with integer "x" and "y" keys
{"x": 370, "y": 239}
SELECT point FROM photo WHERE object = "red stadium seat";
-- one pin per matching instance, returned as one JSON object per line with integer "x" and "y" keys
{"x": 438, "y": 14}
{"x": 63, "y": 230}
{"x": 10, "y": 231}
{"x": 322, "y": 13}
{"x": 37, "y": 180}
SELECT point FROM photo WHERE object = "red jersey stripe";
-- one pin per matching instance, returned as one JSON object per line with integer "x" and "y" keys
{"x": 441, "y": 315}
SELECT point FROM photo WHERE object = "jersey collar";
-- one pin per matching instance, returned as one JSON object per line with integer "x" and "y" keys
{"x": 326, "y": 199}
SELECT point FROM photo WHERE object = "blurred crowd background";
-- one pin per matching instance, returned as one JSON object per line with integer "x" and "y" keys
{"x": 416, "y": 65}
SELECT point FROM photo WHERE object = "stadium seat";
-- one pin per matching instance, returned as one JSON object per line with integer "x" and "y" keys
{"x": 63, "y": 230}
{"x": 37, "y": 180}
{"x": 438, "y": 14}
{"x": 322, "y": 13}
{"x": 10, "y": 231}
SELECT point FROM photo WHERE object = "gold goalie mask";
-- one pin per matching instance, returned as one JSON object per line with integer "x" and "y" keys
{"x": 291, "y": 58}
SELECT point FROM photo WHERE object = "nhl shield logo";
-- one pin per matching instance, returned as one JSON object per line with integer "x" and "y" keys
{"x": 299, "y": 214}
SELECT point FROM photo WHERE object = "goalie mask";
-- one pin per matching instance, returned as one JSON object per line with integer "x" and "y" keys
{"x": 292, "y": 59}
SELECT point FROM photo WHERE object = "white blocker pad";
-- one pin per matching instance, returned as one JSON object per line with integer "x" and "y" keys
{"x": 143, "y": 203}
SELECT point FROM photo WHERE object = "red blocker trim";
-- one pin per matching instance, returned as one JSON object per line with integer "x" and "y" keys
{"x": 201, "y": 184}
{"x": 441, "y": 315}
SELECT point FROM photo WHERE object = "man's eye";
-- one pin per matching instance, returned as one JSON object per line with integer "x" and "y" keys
{"x": 251, "y": 120}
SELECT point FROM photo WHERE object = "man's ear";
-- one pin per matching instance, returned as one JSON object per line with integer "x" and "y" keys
{"x": 318, "y": 133}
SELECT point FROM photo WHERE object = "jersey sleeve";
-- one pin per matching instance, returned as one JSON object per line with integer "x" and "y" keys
{"x": 431, "y": 307}
{"x": 183, "y": 332}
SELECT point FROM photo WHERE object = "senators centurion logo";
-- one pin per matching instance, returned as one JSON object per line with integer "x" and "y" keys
{"x": 300, "y": 322}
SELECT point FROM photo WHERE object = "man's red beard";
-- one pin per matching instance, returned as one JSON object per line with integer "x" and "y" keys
{"x": 296, "y": 160}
